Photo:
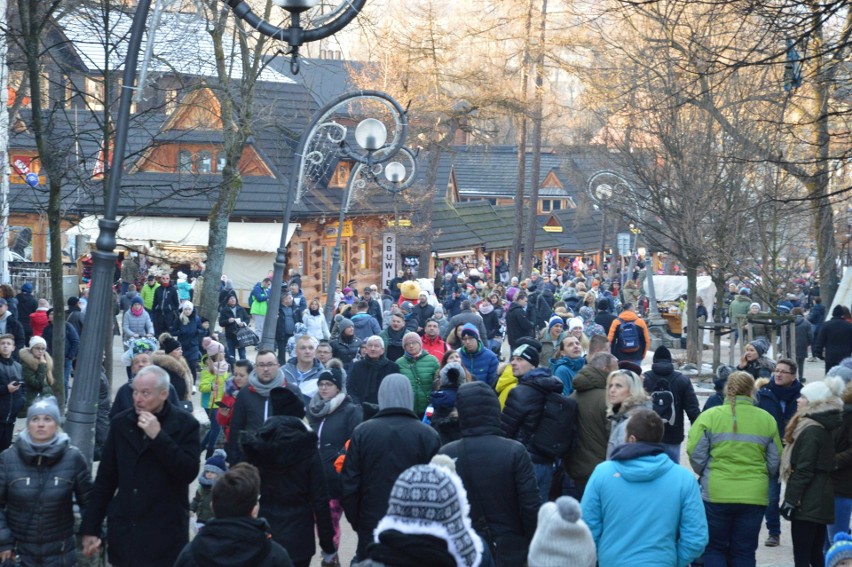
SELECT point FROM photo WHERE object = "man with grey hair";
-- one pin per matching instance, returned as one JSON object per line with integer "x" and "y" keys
{"x": 148, "y": 462}
{"x": 379, "y": 450}
{"x": 367, "y": 374}
{"x": 304, "y": 369}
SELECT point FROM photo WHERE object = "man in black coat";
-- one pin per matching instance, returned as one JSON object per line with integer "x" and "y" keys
{"x": 525, "y": 406}
{"x": 11, "y": 326}
{"x": 834, "y": 342}
{"x": 149, "y": 460}
{"x": 497, "y": 473}
{"x": 518, "y": 323}
{"x": 27, "y": 304}
{"x": 166, "y": 306}
{"x": 422, "y": 312}
{"x": 663, "y": 377}
{"x": 380, "y": 449}
{"x": 365, "y": 379}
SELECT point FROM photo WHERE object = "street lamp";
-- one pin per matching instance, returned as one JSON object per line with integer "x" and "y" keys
{"x": 323, "y": 143}
{"x": 83, "y": 403}
{"x": 295, "y": 35}
{"x": 603, "y": 185}
{"x": 396, "y": 181}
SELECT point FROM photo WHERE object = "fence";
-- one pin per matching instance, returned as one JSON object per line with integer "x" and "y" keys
{"x": 38, "y": 274}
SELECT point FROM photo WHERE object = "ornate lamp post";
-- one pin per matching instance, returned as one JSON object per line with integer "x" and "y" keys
{"x": 82, "y": 406}
{"x": 603, "y": 185}
{"x": 396, "y": 179}
{"x": 322, "y": 145}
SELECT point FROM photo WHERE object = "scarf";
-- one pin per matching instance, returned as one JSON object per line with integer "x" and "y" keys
{"x": 319, "y": 408}
{"x": 136, "y": 310}
{"x": 264, "y": 389}
{"x": 786, "y": 395}
{"x": 787, "y": 455}
{"x": 314, "y": 312}
{"x": 395, "y": 337}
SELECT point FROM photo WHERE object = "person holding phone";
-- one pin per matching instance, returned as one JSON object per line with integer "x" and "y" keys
{"x": 11, "y": 393}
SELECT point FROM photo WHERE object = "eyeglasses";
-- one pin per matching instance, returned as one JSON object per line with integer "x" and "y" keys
{"x": 266, "y": 364}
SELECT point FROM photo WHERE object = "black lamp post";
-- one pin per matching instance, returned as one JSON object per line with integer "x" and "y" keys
{"x": 83, "y": 403}
{"x": 322, "y": 144}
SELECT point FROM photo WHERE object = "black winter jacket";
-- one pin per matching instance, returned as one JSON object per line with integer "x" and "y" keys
{"x": 518, "y": 325}
{"x": 363, "y": 382}
{"x": 10, "y": 402}
{"x": 524, "y": 407}
{"x": 834, "y": 342}
{"x": 231, "y": 329}
{"x": 229, "y": 542}
{"x": 142, "y": 487}
{"x": 250, "y": 411}
{"x": 37, "y": 489}
{"x": 334, "y": 430}
{"x": 497, "y": 473}
{"x": 380, "y": 450}
{"x": 27, "y": 304}
{"x": 770, "y": 398}
{"x": 292, "y": 485}
{"x": 346, "y": 351}
{"x": 682, "y": 392}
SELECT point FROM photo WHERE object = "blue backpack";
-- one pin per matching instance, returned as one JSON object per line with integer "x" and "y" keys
{"x": 628, "y": 336}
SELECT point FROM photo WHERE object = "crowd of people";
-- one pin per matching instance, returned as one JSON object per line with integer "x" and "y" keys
{"x": 481, "y": 424}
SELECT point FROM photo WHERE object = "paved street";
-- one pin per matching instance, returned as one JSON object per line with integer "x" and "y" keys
{"x": 766, "y": 557}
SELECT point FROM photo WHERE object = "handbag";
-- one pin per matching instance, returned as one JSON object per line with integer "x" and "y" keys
{"x": 247, "y": 337}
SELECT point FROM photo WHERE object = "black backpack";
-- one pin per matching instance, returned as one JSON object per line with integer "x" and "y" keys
{"x": 663, "y": 402}
{"x": 556, "y": 432}
{"x": 628, "y": 336}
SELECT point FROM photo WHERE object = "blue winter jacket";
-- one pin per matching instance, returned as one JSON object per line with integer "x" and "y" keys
{"x": 565, "y": 369}
{"x": 365, "y": 326}
{"x": 642, "y": 487}
{"x": 482, "y": 364}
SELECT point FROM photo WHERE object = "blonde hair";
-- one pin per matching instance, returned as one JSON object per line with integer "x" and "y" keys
{"x": 739, "y": 384}
{"x": 634, "y": 386}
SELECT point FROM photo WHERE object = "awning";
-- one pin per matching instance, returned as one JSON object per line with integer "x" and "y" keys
{"x": 134, "y": 231}
{"x": 455, "y": 253}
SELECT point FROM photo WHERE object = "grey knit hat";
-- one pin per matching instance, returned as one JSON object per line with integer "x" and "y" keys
{"x": 562, "y": 538}
{"x": 44, "y": 406}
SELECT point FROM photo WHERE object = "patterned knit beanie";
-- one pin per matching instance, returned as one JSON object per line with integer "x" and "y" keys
{"x": 561, "y": 537}
{"x": 431, "y": 500}
{"x": 215, "y": 464}
{"x": 842, "y": 549}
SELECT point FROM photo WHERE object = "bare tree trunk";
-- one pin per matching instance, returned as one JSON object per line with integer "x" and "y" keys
{"x": 694, "y": 343}
{"x": 517, "y": 241}
{"x": 532, "y": 224}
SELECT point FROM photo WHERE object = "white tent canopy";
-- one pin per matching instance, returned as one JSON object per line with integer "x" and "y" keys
{"x": 250, "y": 250}
{"x": 255, "y": 236}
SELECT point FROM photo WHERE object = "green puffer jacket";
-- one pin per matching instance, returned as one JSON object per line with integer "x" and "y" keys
{"x": 812, "y": 461}
{"x": 735, "y": 467}
{"x": 420, "y": 372}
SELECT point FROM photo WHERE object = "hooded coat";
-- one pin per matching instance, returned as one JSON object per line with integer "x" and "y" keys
{"x": 809, "y": 487}
{"x": 37, "y": 375}
{"x": 142, "y": 488}
{"x": 593, "y": 426}
{"x": 420, "y": 371}
{"x": 179, "y": 374}
{"x": 618, "y": 421}
{"x": 225, "y": 542}
{"x": 333, "y": 431}
{"x": 189, "y": 336}
{"x": 642, "y": 487}
{"x": 292, "y": 485}
{"x": 497, "y": 473}
{"x": 663, "y": 376}
{"x": 380, "y": 449}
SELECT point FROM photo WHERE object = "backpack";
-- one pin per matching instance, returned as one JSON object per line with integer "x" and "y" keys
{"x": 628, "y": 336}
{"x": 556, "y": 432}
{"x": 663, "y": 402}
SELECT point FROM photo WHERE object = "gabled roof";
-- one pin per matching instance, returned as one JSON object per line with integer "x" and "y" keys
{"x": 323, "y": 78}
{"x": 181, "y": 45}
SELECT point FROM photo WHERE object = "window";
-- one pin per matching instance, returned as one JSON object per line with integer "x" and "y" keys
{"x": 95, "y": 93}
{"x": 341, "y": 174}
{"x": 184, "y": 162}
{"x": 548, "y": 205}
{"x": 220, "y": 164}
{"x": 205, "y": 163}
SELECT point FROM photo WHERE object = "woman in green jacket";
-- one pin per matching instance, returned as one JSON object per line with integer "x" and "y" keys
{"x": 734, "y": 448}
{"x": 806, "y": 467}
{"x": 419, "y": 367}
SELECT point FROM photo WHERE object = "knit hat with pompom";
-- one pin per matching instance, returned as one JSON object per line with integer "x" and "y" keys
{"x": 562, "y": 538}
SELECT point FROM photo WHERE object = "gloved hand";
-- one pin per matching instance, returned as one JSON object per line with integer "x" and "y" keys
{"x": 330, "y": 559}
{"x": 787, "y": 510}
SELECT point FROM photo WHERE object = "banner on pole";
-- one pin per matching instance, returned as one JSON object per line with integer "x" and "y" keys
{"x": 388, "y": 258}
